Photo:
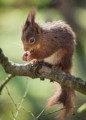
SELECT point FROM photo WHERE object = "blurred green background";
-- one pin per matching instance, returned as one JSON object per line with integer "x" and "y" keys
{"x": 12, "y": 16}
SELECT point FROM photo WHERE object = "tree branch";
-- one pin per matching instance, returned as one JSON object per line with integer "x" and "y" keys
{"x": 42, "y": 71}
{"x": 8, "y": 78}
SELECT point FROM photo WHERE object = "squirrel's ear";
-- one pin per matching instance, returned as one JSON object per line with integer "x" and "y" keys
{"x": 31, "y": 16}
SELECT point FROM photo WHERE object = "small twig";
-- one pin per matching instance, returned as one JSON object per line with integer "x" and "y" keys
{"x": 58, "y": 111}
{"x": 12, "y": 114}
{"x": 20, "y": 105}
{"x": 8, "y": 78}
{"x": 29, "y": 113}
{"x": 40, "y": 114}
{"x": 12, "y": 99}
{"x": 53, "y": 112}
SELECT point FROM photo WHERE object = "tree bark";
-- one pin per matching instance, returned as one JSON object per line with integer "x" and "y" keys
{"x": 42, "y": 71}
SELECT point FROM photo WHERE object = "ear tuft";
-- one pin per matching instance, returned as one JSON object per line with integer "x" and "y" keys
{"x": 31, "y": 16}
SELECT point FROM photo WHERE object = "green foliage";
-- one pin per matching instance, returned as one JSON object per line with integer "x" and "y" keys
{"x": 7, "y": 2}
{"x": 40, "y": 3}
{"x": 82, "y": 108}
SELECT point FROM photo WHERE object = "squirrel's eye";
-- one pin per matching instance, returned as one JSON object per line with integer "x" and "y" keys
{"x": 31, "y": 40}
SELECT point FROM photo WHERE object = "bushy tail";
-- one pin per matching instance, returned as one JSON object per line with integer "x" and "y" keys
{"x": 66, "y": 96}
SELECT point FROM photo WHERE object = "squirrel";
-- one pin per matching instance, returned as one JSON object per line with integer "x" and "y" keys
{"x": 54, "y": 44}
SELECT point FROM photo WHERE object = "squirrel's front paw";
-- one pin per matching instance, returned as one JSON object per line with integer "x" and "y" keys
{"x": 34, "y": 61}
{"x": 26, "y": 55}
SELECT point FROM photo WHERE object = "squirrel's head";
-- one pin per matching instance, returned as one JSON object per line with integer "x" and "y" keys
{"x": 31, "y": 32}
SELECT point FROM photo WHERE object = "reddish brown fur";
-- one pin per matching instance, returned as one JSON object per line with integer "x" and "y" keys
{"x": 54, "y": 44}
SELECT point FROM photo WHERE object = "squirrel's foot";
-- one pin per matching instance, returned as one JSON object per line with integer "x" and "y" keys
{"x": 34, "y": 61}
{"x": 56, "y": 67}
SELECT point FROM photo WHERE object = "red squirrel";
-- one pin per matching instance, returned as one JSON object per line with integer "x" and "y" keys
{"x": 52, "y": 43}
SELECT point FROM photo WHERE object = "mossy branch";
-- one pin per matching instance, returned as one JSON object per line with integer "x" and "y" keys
{"x": 41, "y": 71}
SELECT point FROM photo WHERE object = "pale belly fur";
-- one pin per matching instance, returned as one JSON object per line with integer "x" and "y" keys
{"x": 56, "y": 57}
